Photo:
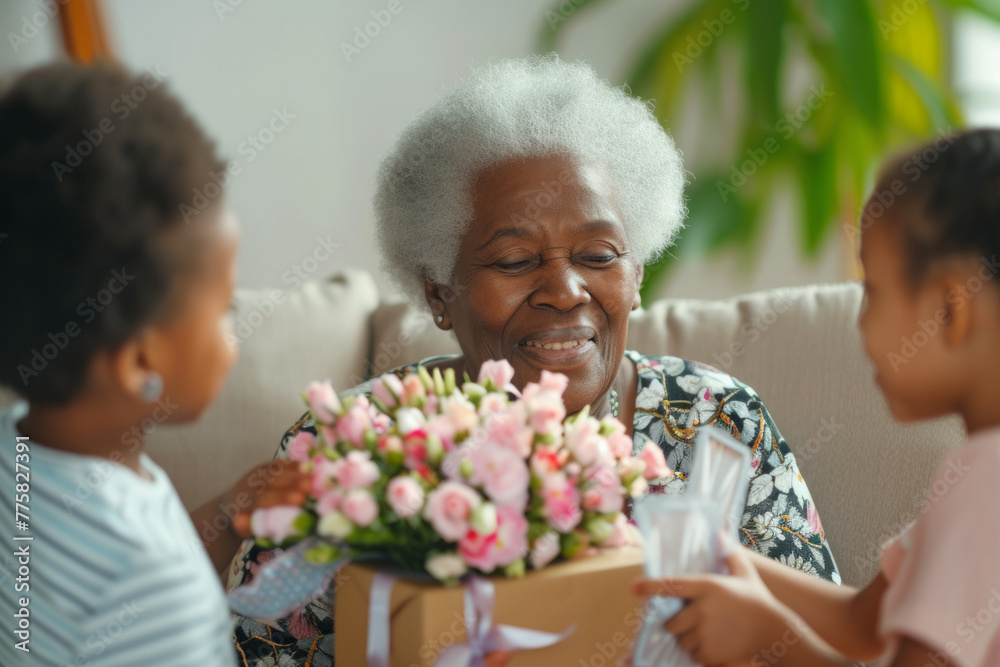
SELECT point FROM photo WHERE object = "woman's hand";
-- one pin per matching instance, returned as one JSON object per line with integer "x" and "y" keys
{"x": 728, "y": 619}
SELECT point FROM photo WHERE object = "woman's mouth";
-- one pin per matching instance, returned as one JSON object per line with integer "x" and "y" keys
{"x": 560, "y": 348}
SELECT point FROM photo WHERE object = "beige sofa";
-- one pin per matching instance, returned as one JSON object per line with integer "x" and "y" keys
{"x": 799, "y": 348}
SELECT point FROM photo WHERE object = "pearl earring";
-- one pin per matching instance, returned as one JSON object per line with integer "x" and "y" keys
{"x": 152, "y": 388}
{"x": 440, "y": 319}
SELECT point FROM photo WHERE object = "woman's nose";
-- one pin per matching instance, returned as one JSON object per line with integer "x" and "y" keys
{"x": 560, "y": 286}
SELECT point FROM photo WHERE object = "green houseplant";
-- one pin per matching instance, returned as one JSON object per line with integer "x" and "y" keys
{"x": 876, "y": 78}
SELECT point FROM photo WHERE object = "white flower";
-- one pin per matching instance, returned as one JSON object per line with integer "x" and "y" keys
{"x": 335, "y": 525}
{"x": 651, "y": 397}
{"x": 409, "y": 419}
{"x": 446, "y": 567}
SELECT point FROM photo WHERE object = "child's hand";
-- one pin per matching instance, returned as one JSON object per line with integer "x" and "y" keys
{"x": 268, "y": 485}
{"x": 728, "y": 619}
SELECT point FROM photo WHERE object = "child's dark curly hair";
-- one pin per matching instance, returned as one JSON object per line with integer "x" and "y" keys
{"x": 949, "y": 189}
{"x": 95, "y": 167}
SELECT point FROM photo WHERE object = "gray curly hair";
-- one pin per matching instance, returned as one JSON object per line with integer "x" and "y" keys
{"x": 514, "y": 109}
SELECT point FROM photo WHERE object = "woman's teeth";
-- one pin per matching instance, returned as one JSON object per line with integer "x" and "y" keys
{"x": 567, "y": 345}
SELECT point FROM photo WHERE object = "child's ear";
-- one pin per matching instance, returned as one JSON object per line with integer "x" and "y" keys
{"x": 955, "y": 310}
{"x": 130, "y": 367}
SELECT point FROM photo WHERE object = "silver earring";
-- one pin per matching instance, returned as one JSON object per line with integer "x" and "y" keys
{"x": 152, "y": 388}
{"x": 440, "y": 319}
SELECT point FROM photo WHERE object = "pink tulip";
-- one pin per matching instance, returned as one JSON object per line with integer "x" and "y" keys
{"x": 405, "y": 496}
{"x": 448, "y": 508}
{"x": 498, "y": 371}
{"x": 360, "y": 507}
{"x": 323, "y": 401}
{"x": 656, "y": 463}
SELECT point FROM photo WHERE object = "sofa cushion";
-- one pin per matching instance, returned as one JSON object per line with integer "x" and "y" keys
{"x": 800, "y": 349}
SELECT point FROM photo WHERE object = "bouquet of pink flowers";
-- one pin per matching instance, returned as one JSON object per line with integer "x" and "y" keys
{"x": 447, "y": 478}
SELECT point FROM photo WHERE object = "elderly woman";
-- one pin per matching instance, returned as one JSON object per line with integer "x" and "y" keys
{"x": 520, "y": 209}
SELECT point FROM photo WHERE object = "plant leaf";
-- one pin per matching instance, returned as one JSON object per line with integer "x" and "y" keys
{"x": 818, "y": 179}
{"x": 986, "y": 8}
{"x": 942, "y": 110}
{"x": 765, "y": 51}
{"x": 859, "y": 55}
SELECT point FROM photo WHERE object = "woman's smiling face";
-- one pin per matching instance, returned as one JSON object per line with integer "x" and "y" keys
{"x": 544, "y": 277}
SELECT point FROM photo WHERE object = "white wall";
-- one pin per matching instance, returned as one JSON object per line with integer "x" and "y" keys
{"x": 315, "y": 179}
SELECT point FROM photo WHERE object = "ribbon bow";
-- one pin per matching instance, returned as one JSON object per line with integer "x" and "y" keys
{"x": 484, "y": 636}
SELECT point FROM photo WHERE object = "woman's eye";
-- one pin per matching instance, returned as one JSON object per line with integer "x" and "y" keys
{"x": 515, "y": 265}
{"x": 599, "y": 259}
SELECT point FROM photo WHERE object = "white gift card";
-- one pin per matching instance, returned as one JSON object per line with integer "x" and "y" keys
{"x": 681, "y": 535}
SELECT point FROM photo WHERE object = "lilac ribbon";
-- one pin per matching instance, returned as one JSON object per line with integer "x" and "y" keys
{"x": 287, "y": 582}
{"x": 484, "y": 636}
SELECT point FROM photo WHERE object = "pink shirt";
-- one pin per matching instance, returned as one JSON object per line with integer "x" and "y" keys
{"x": 944, "y": 570}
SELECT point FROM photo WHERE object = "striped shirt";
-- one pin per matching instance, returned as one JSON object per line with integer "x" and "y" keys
{"x": 114, "y": 573}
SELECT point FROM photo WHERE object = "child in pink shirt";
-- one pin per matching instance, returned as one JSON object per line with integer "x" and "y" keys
{"x": 930, "y": 263}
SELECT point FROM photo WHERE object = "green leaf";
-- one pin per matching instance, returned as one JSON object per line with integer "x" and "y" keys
{"x": 941, "y": 109}
{"x": 556, "y": 18}
{"x": 987, "y": 8}
{"x": 819, "y": 195}
{"x": 859, "y": 55}
{"x": 765, "y": 50}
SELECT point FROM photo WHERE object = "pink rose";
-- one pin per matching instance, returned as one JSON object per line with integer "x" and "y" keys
{"x": 620, "y": 444}
{"x": 329, "y": 502}
{"x": 460, "y": 412}
{"x": 585, "y": 442}
{"x": 448, "y": 508}
{"x": 546, "y": 413}
{"x": 508, "y": 430}
{"x": 545, "y": 550}
{"x": 358, "y": 470}
{"x": 405, "y": 496}
{"x": 323, "y": 401}
{"x": 506, "y": 545}
{"x": 619, "y": 535}
{"x": 503, "y": 475}
{"x": 360, "y": 507}
{"x": 275, "y": 523}
{"x": 476, "y": 550}
{"x": 656, "y": 463}
{"x": 512, "y": 536}
{"x": 301, "y": 445}
{"x": 388, "y": 389}
{"x": 413, "y": 390}
{"x": 324, "y": 475}
{"x": 604, "y": 491}
{"x": 500, "y": 373}
{"x": 561, "y": 502}
{"x": 353, "y": 425}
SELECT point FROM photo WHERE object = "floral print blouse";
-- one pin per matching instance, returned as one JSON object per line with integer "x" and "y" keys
{"x": 675, "y": 396}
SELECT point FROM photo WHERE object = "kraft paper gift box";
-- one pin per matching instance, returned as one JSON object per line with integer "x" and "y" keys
{"x": 590, "y": 593}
